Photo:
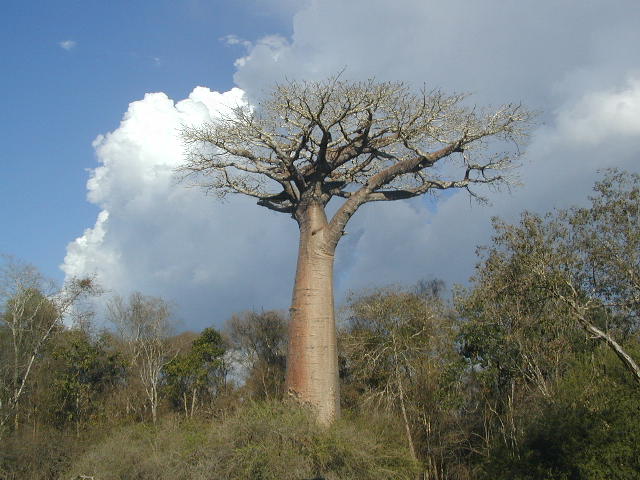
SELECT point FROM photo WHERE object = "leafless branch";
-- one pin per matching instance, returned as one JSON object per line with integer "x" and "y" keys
{"x": 362, "y": 141}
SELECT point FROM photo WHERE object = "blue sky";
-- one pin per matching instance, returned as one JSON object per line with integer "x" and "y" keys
{"x": 57, "y": 100}
{"x": 88, "y": 152}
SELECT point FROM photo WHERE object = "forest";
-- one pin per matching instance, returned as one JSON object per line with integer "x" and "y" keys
{"x": 529, "y": 371}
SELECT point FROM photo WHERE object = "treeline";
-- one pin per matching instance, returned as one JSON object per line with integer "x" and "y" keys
{"x": 528, "y": 373}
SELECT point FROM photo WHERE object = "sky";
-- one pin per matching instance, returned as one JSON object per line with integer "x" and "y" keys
{"x": 94, "y": 93}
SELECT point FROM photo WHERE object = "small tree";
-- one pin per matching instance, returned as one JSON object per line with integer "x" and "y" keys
{"x": 81, "y": 371}
{"x": 576, "y": 267}
{"x": 258, "y": 343}
{"x": 33, "y": 310}
{"x": 192, "y": 374}
{"x": 144, "y": 325}
{"x": 399, "y": 352}
{"x": 362, "y": 142}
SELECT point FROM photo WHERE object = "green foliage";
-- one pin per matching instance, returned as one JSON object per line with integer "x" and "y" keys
{"x": 515, "y": 327}
{"x": 263, "y": 441}
{"x": 589, "y": 431}
{"x": 541, "y": 284}
{"x": 197, "y": 372}
{"x": 28, "y": 321}
{"x": 82, "y": 370}
{"x": 606, "y": 238}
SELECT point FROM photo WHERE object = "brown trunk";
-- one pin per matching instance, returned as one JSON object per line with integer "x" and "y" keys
{"x": 312, "y": 364}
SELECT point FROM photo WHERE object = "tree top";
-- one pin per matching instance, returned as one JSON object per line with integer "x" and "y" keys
{"x": 362, "y": 141}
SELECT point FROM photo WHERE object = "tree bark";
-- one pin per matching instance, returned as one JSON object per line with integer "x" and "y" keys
{"x": 312, "y": 363}
{"x": 624, "y": 357}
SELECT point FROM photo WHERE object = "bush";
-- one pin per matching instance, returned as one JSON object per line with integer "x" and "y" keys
{"x": 262, "y": 441}
{"x": 41, "y": 454}
{"x": 590, "y": 431}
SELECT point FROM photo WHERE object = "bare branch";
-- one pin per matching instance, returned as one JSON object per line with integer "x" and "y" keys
{"x": 371, "y": 137}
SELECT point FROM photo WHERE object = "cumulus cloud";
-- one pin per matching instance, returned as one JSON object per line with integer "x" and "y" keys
{"x": 162, "y": 238}
{"x": 573, "y": 61}
{"x": 613, "y": 114}
{"x": 68, "y": 44}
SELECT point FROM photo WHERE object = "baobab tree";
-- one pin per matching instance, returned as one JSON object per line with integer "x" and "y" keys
{"x": 359, "y": 142}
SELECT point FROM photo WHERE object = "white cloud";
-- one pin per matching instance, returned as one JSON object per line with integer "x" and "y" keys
{"x": 165, "y": 239}
{"x": 611, "y": 114}
{"x": 236, "y": 40}
{"x": 271, "y": 47}
{"x": 68, "y": 44}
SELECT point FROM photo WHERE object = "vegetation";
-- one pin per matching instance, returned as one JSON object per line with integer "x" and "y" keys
{"x": 529, "y": 373}
{"x": 267, "y": 440}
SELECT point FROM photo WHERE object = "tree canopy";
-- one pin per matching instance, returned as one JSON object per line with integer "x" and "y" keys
{"x": 361, "y": 141}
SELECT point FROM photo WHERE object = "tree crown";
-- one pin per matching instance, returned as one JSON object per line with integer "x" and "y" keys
{"x": 362, "y": 141}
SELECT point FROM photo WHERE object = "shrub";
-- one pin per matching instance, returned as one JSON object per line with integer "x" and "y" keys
{"x": 262, "y": 441}
{"x": 590, "y": 431}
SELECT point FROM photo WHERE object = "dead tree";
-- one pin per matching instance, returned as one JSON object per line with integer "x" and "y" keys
{"x": 309, "y": 142}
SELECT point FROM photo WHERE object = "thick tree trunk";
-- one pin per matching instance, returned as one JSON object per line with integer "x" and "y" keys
{"x": 312, "y": 364}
